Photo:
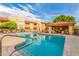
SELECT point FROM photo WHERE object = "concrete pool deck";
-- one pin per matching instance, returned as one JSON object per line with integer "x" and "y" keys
{"x": 71, "y": 47}
{"x": 8, "y": 44}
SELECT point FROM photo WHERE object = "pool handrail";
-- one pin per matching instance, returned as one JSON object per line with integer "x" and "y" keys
{"x": 22, "y": 46}
{"x": 6, "y": 36}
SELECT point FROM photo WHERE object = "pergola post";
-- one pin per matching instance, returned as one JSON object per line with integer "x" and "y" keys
{"x": 70, "y": 29}
{"x": 50, "y": 30}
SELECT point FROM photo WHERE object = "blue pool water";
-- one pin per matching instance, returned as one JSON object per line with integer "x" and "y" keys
{"x": 43, "y": 45}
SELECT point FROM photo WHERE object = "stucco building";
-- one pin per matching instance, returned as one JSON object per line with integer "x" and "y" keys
{"x": 34, "y": 25}
{"x": 19, "y": 21}
{"x": 28, "y": 25}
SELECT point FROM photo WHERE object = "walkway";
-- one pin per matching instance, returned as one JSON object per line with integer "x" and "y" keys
{"x": 71, "y": 46}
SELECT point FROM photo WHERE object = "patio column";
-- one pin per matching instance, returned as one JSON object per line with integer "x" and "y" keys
{"x": 50, "y": 30}
{"x": 70, "y": 29}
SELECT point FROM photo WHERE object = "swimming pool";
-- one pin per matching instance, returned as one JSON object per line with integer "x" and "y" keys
{"x": 42, "y": 45}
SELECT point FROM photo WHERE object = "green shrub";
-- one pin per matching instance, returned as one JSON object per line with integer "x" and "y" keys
{"x": 76, "y": 27}
{"x": 1, "y": 31}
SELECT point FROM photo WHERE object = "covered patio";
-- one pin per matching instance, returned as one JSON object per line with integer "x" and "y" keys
{"x": 62, "y": 27}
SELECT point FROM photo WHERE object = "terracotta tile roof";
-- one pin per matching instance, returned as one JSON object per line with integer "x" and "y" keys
{"x": 2, "y": 19}
{"x": 63, "y": 23}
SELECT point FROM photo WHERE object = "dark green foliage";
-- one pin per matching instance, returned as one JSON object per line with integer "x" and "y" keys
{"x": 63, "y": 18}
{"x": 9, "y": 25}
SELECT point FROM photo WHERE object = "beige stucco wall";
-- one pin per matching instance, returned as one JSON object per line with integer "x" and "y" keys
{"x": 39, "y": 26}
{"x": 19, "y": 21}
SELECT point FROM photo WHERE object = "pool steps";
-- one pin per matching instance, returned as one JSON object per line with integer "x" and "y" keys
{"x": 27, "y": 42}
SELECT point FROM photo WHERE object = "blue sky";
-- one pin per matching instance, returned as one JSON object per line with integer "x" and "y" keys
{"x": 41, "y": 11}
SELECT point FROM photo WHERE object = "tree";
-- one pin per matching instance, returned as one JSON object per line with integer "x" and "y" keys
{"x": 9, "y": 25}
{"x": 63, "y": 18}
{"x": 76, "y": 27}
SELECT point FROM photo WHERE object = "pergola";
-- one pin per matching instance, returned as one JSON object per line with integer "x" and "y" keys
{"x": 69, "y": 26}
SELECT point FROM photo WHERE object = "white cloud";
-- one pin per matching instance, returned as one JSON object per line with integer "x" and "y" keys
{"x": 31, "y": 7}
{"x": 27, "y": 13}
{"x": 24, "y": 7}
{"x": 24, "y": 14}
{"x": 5, "y": 9}
{"x": 4, "y": 14}
{"x": 50, "y": 16}
{"x": 47, "y": 16}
